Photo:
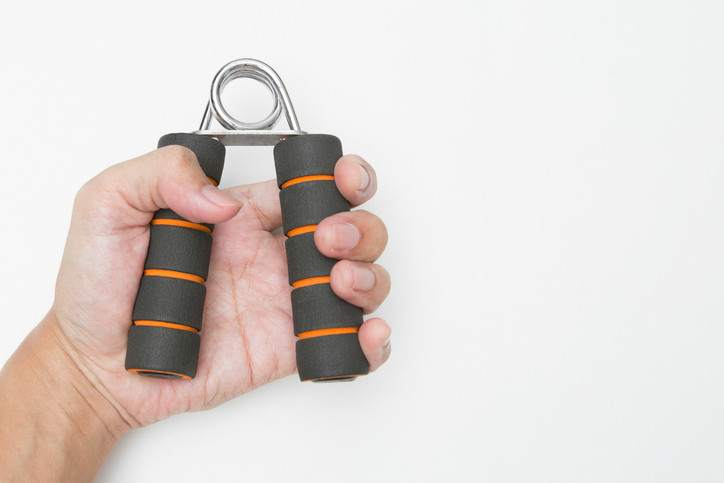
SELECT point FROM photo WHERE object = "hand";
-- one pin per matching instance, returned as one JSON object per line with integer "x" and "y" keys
{"x": 247, "y": 338}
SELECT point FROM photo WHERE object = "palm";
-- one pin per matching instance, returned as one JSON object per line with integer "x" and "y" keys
{"x": 247, "y": 338}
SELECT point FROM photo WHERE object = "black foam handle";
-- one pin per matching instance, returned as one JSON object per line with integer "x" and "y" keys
{"x": 328, "y": 347}
{"x": 164, "y": 339}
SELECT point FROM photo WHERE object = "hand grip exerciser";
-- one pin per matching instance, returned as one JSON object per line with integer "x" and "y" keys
{"x": 164, "y": 339}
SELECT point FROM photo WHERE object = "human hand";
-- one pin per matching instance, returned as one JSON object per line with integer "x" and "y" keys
{"x": 247, "y": 338}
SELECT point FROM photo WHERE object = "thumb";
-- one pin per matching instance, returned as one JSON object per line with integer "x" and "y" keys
{"x": 127, "y": 194}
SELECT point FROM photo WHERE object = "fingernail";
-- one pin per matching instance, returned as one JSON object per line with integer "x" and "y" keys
{"x": 386, "y": 345}
{"x": 364, "y": 279}
{"x": 346, "y": 236}
{"x": 218, "y": 197}
{"x": 364, "y": 179}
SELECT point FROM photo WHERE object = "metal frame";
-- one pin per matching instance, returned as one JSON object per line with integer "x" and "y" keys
{"x": 238, "y": 133}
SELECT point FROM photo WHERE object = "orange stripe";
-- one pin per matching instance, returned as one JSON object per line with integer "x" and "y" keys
{"x": 304, "y": 179}
{"x": 310, "y": 281}
{"x": 301, "y": 230}
{"x": 158, "y": 323}
{"x": 185, "y": 224}
{"x": 321, "y": 332}
{"x": 136, "y": 371}
{"x": 213, "y": 181}
{"x": 173, "y": 274}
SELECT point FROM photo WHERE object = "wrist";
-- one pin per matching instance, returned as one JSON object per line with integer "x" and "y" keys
{"x": 60, "y": 422}
{"x": 63, "y": 372}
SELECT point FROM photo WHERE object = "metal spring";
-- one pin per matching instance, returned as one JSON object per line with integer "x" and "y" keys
{"x": 259, "y": 71}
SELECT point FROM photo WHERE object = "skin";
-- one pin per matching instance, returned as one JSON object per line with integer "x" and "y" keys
{"x": 65, "y": 397}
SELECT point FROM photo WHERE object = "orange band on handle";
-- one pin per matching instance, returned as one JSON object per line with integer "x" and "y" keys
{"x": 310, "y": 281}
{"x": 158, "y": 323}
{"x": 322, "y": 332}
{"x": 136, "y": 371}
{"x": 213, "y": 181}
{"x": 173, "y": 274}
{"x": 185, "y": 224}
{"x": 301, "y": 230}
{"x": 304, "y": 179}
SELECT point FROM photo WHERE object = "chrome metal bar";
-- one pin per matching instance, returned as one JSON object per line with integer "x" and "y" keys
{"x": 239, "y": 133}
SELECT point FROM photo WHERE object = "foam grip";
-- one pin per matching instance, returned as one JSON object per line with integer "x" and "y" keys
{"x": 332, "y": 357}
{"x": 167, "y": 317}
{"x": 328, "y": 347}
{"x": 182, "y": 301}
{"x": 162, "y": 352}
{"x": 317, "y": 307}
{"x": 304, "y": 260}
{"x": 309, "y": 202}
{"x": 179, "y": 249}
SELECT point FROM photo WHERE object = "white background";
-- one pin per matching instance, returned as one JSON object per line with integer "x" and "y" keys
{"x": 551, "y": 175}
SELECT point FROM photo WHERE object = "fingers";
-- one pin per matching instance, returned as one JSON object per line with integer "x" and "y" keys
{"x": 362, "y": 284}
{"x": 261, "y": 202}
{"x": 355, "y": 179}
{"x": 374, "y": 337}
{"x": 354, "y": 235}
{"x": 169, "y": 177}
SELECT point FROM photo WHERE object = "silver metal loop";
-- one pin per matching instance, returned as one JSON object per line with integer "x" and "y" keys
{"x": 261, "y": 72}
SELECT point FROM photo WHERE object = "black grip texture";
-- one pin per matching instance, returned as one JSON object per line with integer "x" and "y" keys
{"x": 311, "y": 155}
{"x": 317, "y": 307}
{"x": 304, "y": 260}
{"x": 331, "y": 357}
{"x": 162, "y": 352}
{"x": 168, "y": 313}
{"x": 179, "y": 249}
{"x": 328, "y": 348}
{"x": 172, "y": 300}
{"x": 308, "y": 203}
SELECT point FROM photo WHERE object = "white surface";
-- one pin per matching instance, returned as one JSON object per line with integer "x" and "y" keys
{"x": 551, "y": 174}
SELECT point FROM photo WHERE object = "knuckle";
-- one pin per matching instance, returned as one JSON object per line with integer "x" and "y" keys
{"x": 97, "y": 195}
{"x": 179, "y": 159}
{"x": 342, "y": 276}
{"x": 376, "y": 235}
{"x": 87, "y": 190}
{"x": 384, "y": 280}
{"x": 95, "y": 186}
{"x": 380, "y": 229}
{"x": 84, "y": 194}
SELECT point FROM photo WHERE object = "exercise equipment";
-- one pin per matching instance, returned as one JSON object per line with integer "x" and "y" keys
{"x": 165, "y": 337}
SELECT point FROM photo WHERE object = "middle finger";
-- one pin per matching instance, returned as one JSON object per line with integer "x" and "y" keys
{"x": 354, "y": 235}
